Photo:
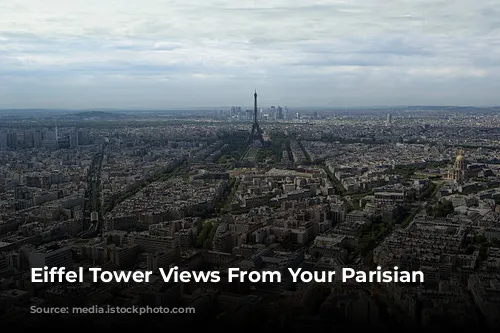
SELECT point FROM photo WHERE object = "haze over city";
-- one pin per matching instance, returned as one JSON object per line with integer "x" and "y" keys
{"x": 160, "y": 54}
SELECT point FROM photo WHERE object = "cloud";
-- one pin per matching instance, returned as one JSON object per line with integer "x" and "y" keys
{"x": 314, "y": 52}
{"x": 167, "y": 46}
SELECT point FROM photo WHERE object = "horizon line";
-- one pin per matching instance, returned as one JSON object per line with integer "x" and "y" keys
{"x": 214, "y": 108}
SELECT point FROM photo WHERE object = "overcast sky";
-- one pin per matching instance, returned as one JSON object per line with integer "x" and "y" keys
{"x": 190, "y": 53}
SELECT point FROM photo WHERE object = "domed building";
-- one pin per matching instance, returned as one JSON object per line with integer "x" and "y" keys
{"x": 458, "y": 172}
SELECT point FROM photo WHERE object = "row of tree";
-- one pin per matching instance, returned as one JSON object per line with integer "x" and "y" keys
{"x": 206, "y": 235}
{"x": 442, "y": 209}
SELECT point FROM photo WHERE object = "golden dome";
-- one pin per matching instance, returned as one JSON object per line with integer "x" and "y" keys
{"x": 460, "y": 156}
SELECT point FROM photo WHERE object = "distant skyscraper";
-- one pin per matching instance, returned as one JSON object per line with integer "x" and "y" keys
{"x": 388, "y": 120}
{"x": 279, "y": 113}
{"x": 37, "y": 138}
{"x": 272, "y": 112}
{"x": 28, "y": 139}
{"x": 3, "y": 139}
{"x": 50, "y": 139}
{"x": 12, "y": 139}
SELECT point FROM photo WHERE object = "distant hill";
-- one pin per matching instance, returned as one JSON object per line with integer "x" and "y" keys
{"x": 96, "y": 114}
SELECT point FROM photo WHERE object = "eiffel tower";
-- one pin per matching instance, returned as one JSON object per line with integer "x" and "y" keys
{"x": 256, "y": 135}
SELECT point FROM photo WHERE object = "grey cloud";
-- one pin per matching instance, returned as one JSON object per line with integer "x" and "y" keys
{"x": 167, "y": 46}
{"x": 364, "y": 49}
{"x": 346, "y": 62}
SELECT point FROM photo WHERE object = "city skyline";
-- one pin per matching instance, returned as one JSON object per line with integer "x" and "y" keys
{"x": 165, "y": 55}
{"x": 141, "y": 193}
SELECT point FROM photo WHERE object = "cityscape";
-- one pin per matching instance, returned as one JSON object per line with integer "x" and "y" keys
{"x": 257, "y": 189}
{"x": 261, "y": 166}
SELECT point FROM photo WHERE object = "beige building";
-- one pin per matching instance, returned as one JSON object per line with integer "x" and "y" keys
{"x": 458, "y": 172}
